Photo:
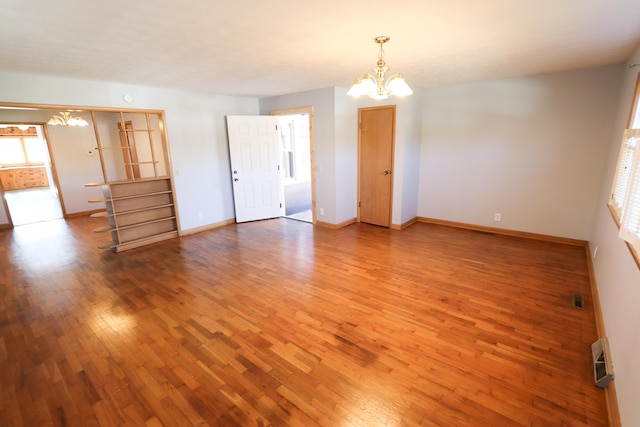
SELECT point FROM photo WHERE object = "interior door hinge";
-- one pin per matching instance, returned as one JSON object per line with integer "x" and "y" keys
{"x": 359, "y": 204}
{"x": 280, "y": 205}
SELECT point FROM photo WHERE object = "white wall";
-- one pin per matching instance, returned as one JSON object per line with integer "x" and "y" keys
{"x": 407, "y": 158}
{"x": 528, "y": 148}
{"x": 617, "y": 275}
{"x": 200, "y": 155}
{"x": 196, "y": 132}
{"x": 346, "y": 156}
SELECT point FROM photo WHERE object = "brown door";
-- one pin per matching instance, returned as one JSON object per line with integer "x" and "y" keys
{"x": 375, "y": 163}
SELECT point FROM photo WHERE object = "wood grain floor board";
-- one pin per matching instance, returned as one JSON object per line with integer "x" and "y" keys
{"x": 280, "y": 323}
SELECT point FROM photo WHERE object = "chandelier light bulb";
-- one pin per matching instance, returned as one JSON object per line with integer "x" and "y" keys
{"x": 66, "y": 119}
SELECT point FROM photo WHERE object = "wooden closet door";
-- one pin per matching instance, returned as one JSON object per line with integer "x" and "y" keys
{"x": 375, "y": 163}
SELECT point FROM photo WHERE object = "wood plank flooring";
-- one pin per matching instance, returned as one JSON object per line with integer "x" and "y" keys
{"x": 280, "y": 323}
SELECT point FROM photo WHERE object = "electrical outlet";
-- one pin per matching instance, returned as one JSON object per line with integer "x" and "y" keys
{"x": 200, "y": 216}
{"x": 497, "y": 217}
{"x": 321, "y": 211}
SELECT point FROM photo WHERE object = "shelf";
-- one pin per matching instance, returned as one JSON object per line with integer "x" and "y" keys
{"x": 113, "y": 147}
{"x": 126, "y": 227}
{"x": 103, "y": 214}
{"x": 107, "y": 214}
{"x": 126, "y": 181}
{"x": 144, "y": 241}
{"x": 142, "y": 163}
{"x": 139, "y": 212}
{"x": 147, "y": 208}
{"x": 135, "y": 196}
{"x": 140, "y": 224}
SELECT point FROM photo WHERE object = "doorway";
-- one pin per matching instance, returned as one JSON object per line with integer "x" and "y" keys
{"x": 271, "y": 160}
{"x": 376, "y": 136}
{"x": 26, "y": 176}
{"x": 295, "y": 133}
{"x": 295, "y": 149}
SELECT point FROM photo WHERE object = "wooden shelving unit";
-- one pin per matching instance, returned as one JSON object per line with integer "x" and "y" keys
{"x": 139, "y": 202}
{"x": 138, "y": 212}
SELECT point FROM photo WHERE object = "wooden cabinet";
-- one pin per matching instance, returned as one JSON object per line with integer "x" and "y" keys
{"x": 23, "y": 177}
{"x": 138, "y": 212}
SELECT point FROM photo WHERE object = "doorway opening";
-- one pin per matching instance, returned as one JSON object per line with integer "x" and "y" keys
{"x": 272, "y": 160}
{"x": 295, "y": 133}
{"x": 295, "y": 150}
{"x": 28, "y": 185}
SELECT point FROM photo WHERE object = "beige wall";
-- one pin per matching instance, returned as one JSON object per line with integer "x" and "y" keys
{"x": 617, "y": 275}
{"x": 531, "y": 149}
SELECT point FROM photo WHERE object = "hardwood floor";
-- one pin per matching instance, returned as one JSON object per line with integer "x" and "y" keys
{"x": 280, "y": 323}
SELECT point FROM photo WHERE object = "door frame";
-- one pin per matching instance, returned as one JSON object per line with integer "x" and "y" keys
{"x": 308, "y": 110}
{"x": 51, "y": 168}
{"x": 393, "y": 150}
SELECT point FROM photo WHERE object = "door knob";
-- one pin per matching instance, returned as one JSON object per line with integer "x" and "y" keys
{"x": 386, "y": 172}
{"x": 235, "y": 179}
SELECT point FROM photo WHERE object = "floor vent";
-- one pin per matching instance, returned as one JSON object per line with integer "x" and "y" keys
{"x": 602, "y": 366}
{"x": 577, "y": 300}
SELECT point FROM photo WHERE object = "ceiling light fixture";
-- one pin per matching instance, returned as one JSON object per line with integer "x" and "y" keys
{"x": 375, "y": 85}
{"x": 66, "y": 119}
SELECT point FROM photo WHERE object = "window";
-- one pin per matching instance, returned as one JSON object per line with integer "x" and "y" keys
{"x": 625, "y": 194}
{"x": 21, "y": 148}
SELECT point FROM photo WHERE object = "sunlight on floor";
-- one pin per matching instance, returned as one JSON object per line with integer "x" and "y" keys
{"x": 33, "y": 205}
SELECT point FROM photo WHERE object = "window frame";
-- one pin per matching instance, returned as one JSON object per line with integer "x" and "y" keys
{"x": 628, "y": 163}
{"x": 15, "y": 133}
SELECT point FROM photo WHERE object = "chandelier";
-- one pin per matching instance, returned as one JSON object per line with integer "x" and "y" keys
{"x": 66, "y": 119}
{"x": 375, "y": 85}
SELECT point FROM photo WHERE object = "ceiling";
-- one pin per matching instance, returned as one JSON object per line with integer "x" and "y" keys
{"x": 263, "y": 48}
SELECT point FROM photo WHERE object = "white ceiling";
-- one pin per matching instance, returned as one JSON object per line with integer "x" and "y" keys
{"x": 262, "y": 48}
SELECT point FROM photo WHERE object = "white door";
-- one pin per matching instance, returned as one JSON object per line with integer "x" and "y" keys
{"x": 253, "y": 148}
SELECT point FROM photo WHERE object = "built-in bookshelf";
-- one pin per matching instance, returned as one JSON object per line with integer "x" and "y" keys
{"x": 137, "y": 213}
{"x": 137, "y": 192}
